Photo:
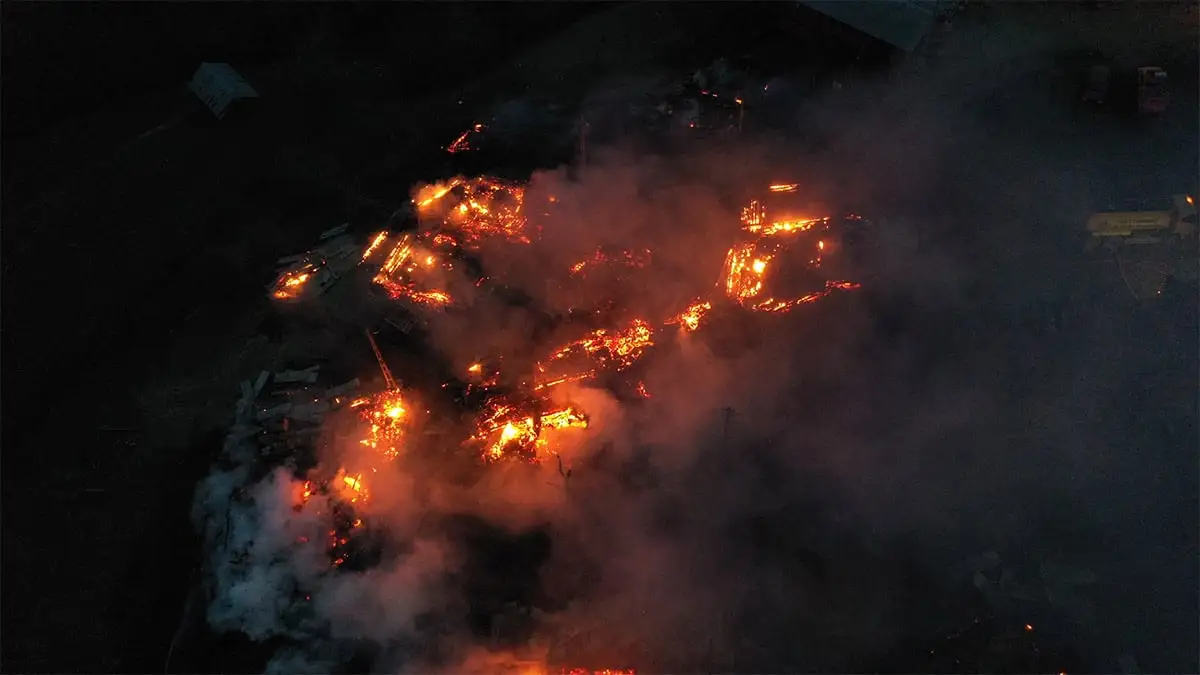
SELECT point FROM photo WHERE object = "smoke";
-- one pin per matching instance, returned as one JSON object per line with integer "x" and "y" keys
{"x": 808, "y": 499}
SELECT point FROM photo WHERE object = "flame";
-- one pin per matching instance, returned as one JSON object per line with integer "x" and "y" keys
{"x": 386, "y": 416}
{"x": 621, "y": 348}
{"x": 418, "y": 268}
{"x": 376, "y": 242}
{"x": 510, "y": 429}
{"x": 490, "y": 207}
{"x": 462, "y": 143}
{"x": 690, "y": 319}
{"x": 785, "y": 226}
{"x": 428, "y": 194}
{"x": 291, "y": 284}
{"x": 351, "y": 487}
{"x": 773, "y": 305}
{"x": 625, "y": 258}
{"x": 785, "y": 187}
{"x": 745, "y": 269}
{"x": 411, "y": 268}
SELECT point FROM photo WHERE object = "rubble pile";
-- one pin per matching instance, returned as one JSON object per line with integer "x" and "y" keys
{"x": 513, "y": 407}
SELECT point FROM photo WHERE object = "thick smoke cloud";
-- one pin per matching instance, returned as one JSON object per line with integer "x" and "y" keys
{"x": 807, "y": 504}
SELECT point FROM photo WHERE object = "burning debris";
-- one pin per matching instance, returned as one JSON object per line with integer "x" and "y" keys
{"x": 691, "y": 317}
{"x": 312, "y": 273}
{"x": 476, "y": 209}
{"x": 637, "y": 259}
{"x": 463, "y": 142}
{"x": 516, "y": 429}
{"x": 749, "y": 264}
{"x": 510, "y": 406}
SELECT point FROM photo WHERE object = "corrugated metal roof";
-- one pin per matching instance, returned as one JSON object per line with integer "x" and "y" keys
{"x": 900, "y": 23}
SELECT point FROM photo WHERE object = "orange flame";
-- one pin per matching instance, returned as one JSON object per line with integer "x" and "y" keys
{"x": 606, "y": 349}
{"x": 376, "y": 242}
{"x": 462, "y": 142}
{"x": 690, "y": 319}
{"x": 407, "y": 272}
{"x": 387, "y": 418}
{"x": 291, "y": 284}
{"x": 489, "y": 208}
{"x": 785, "y": 226}
{"x": 509, "y": 429}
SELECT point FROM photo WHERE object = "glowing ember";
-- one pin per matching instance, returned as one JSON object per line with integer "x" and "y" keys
{"x": 462, "y": 142}
{"x": 489, "y": 207}
{"x": 387, "y": 418}
{"x": 350, "y": 487}
{"x": 690, "y": 319}
{"x": 744, "y": 270}
{"x": 516, "y": 430}
{"x": 428, "y": 194}
{"x": 785, "y": 226}
{"x": 746, "y": 267}
{"x": 291, "y": 284}
{"x": 753, "y": 215}
{"x": 376, "y": 242}
{"x": 773, "y": 305}
{"x": 785, "y": 187}
{"x": 415, "y": 272}
{"x": 625, "y": 258}
{"x": 619, "y": 349}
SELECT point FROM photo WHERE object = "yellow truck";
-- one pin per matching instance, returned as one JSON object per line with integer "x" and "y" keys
{"x": 1121, "y": 228}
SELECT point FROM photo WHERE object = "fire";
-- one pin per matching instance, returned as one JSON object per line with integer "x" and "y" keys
{"x": 743, "y": 271}
{"x": 784, "y": 187}
{"x": 376, "y": 242}
{"x": 411, "y": 268}
{"x": 773, "y": 305}
{"x": 387, "y": 420}
{"x": 746, "y": 267}
{"x": 421, "y": 266}
{"x": 620, "y": 348}
{"x": 490, "y": 208}
{"x": 462, "y": 142}
{"x": 785, "y": 226}
{"x": 291, "y": 284}
{"x": 516, "y": 429}
{"x": 428, "y": 194}
{"x": 626, "y": 258}
{"x": 690, "y": 319}
{"x": 350, "y": 487}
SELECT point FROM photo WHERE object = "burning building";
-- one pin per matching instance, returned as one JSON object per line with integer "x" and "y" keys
{"x": 501, "y": 407}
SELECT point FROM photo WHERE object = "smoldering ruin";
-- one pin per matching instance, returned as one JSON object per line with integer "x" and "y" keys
{"x": 715, "y": 392}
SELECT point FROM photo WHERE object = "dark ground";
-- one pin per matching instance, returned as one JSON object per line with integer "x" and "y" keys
{"x": 133, "y": 272}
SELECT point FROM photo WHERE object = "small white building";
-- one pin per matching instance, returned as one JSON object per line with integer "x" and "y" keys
{"x": 218, "y": 85}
